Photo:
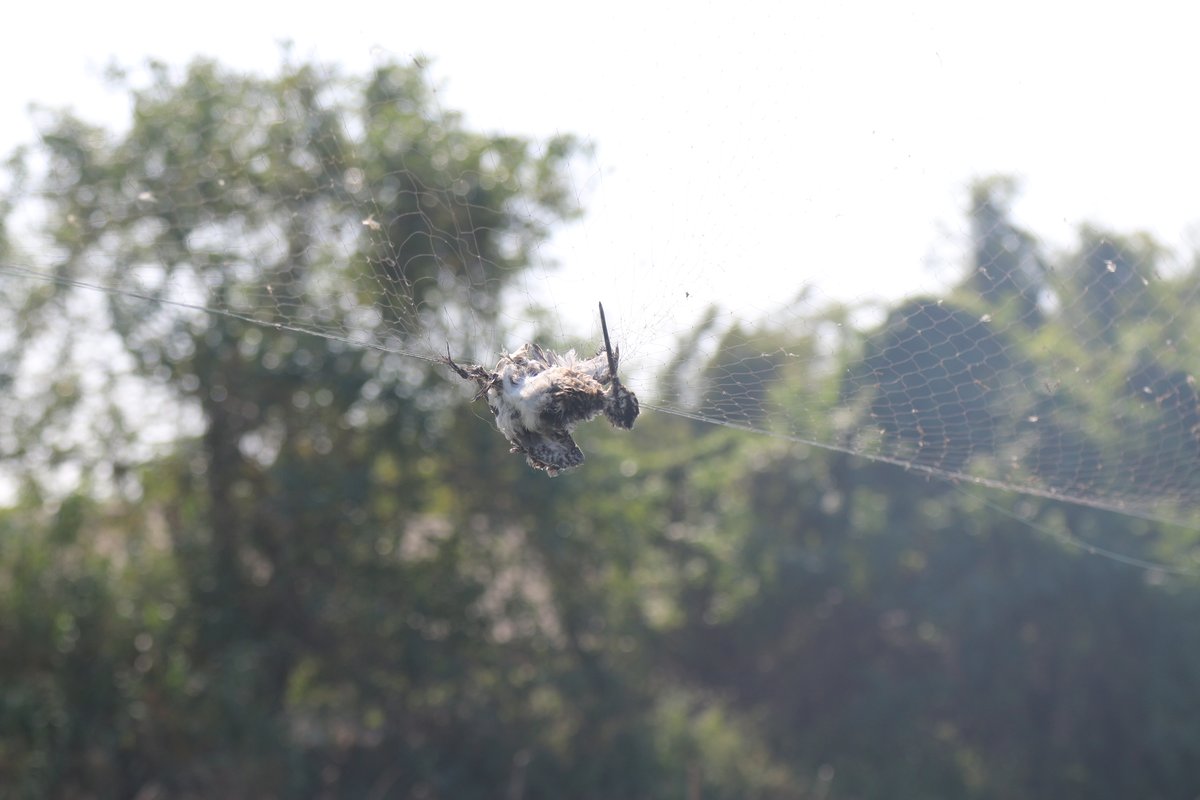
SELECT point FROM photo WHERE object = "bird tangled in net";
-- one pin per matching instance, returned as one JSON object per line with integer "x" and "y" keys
{"x": 538, "y": 397}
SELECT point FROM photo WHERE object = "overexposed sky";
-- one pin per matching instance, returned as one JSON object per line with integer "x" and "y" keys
{"x": 746, "y": 150}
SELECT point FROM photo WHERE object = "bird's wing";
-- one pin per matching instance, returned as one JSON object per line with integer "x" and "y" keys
{"x": 553, "y": 451}
{"x": 573, "y": 397}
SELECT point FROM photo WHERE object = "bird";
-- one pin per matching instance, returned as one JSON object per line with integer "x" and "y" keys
{"x": 538, "y": 396}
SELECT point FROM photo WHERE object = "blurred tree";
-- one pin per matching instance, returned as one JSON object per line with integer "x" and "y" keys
{"x": 1006, "y": 267}
{"x": 1110, "y": 281}
{"x": 324, "y": 616}
{"x": 351, "y": 588}
{"x": 936, "y": 374}
{"x": 888, "y": 631}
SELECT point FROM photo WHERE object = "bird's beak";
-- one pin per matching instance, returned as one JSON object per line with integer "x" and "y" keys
{"x": 612, "y": 364}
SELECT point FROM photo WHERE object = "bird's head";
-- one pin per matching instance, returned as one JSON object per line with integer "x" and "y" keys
{"x": 621, "y": 407}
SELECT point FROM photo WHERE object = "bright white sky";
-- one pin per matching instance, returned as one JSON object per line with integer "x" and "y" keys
{"x": 743, "y": 150}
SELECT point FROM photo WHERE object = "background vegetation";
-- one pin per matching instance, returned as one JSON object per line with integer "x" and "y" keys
{"x": 343, "y": 585}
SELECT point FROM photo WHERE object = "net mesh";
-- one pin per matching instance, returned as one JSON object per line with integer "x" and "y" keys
{"x": 362, "y": 211}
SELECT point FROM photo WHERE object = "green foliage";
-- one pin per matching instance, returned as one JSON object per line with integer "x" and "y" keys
{"x": 344, "y": 585}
